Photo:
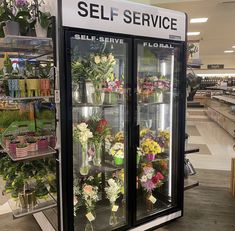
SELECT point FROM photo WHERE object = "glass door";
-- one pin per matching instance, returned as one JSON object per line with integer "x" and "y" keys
{"x": 99, "y": 119}
{"x": 158, "y": 73}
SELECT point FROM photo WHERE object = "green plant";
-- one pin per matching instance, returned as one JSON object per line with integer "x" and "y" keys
{"x": 21, "y": 145}
{"x": 7, "y": 69}
{"x": 31, "y": 140}
{"x": 44, "y": 19}
{"x": 44, "y": 71}
{"x": 16, "y": 11}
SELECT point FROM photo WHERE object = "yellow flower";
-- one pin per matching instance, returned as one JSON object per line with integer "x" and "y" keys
{"x": 104, "y": 59}
{"x": 97, "y": 59}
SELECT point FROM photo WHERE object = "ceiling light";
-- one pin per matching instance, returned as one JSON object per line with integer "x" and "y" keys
{"x": 193, "y": 33}
{"x": 198, "y": 20}
{"x": 229, "y": 51}
{"x": 233, "y": 47}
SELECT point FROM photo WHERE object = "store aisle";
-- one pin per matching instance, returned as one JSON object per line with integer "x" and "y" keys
{"x": 208, "y": 207}
{"x": 216, "y": 145}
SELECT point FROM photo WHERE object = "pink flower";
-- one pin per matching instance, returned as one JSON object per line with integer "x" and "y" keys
{"x": 87, "y": 189}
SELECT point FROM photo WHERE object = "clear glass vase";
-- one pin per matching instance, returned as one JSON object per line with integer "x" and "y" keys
{"x": 89, "y": 226}
{"x": 85, "y": 167}
{"x": 98, "y": 152}
{"x": 113, "y": 216}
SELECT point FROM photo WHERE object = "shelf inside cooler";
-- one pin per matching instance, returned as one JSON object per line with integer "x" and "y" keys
{"x": 106, "y": 167}
{"x": 45, "y": 203}
{"x": 150, "y": 104}
{"x": 102, "y": 212}
{"x": 33, "y": 155}
{"x": 78, "y": 105}
{"x": 30, "y": 46}
{"x": 159, "y": 206}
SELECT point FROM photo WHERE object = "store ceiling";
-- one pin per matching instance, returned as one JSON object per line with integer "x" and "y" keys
{"x": 218, "y": 34}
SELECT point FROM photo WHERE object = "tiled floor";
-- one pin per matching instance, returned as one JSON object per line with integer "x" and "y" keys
{"x": 219, "y": 142}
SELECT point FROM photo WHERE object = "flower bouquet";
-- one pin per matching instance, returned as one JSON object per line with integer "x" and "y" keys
{"x": 90, "y": 197}
{"x": 99, "y": 70}
{"x": 119, "y": 137}
{"x": 82, "y": 134}
{"x": 100, "y": 129}
{"x": 150, "y": 179}
{"x": 117, "y": 151}
{"x": 113, "y": 191}
{"x": 113, "y": 88}
{"x": 165, "y": 136}
{"x": 150, "y": 148}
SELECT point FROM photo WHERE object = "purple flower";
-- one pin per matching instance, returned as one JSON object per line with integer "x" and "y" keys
{"x": 21, "y": 3}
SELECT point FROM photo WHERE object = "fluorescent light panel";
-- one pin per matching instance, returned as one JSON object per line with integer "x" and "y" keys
{"x": 198, "y": 20}
{"x": 233, "y": 47}
{"x": 193, "y": 33}
{"x": 229, "y": 51}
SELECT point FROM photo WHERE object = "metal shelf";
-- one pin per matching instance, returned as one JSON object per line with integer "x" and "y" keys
{"x": 26, "y": 98}
{"x": 42, "y": 204}
{"x": 31, "y": 155}
{"x": 30, "y": 46}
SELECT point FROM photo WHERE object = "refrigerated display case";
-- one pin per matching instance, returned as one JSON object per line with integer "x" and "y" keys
{"x": 122, "y": 118}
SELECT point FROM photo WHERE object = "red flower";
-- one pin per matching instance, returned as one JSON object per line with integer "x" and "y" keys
{"x": 101, "y": 125}
{"x": 157, "y": 178}
{"x": 160, "y": 176}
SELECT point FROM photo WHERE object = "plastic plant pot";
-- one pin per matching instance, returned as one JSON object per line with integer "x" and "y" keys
{"x": 150, "y": 157}
{"x": 118, "y": 160}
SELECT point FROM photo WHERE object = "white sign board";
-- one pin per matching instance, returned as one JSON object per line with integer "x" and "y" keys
{"x": 125, "y": 18}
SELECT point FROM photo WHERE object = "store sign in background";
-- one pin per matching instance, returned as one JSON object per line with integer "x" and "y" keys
{"x": 124, "y": 17}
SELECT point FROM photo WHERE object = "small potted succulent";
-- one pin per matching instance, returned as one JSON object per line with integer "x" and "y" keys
{"x": 12, "y": 146}
{"x": 32, "y": 144}
{"x": 21, "y": 150}
{"x": 42, "y": 143}
{"x": 21, "y": 137}
{"x": 7, "y": 139}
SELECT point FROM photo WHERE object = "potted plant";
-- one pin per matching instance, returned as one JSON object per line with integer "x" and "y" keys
{"x": 32, "y": 144}
{"x": 21, "y": 150}
{"x": 21, "y": 137}
{"x": 12, "y": 146}
{"x": 42, "y": 24}
{"x": 42, "y": 143}
{"x": 6, "y": 139}
{"x": 44, "y": 74}
{"x": 32, "y": 82}
{"x": 15, "y": 17}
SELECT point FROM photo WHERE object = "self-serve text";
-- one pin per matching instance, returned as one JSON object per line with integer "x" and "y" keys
{"x": 98, "y": 11}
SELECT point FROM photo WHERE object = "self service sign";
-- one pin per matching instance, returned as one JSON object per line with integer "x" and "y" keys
{"x": 123, "y": 17}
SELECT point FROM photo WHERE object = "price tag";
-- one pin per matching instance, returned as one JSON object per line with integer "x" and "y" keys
{"x": 90, "y": 217}
{"x": 115, "y": 208}
{"x": 152, "y": 199}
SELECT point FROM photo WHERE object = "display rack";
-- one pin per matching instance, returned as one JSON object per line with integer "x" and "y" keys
{"x": 42, "y": 204}
{"x": 30, "y": 49}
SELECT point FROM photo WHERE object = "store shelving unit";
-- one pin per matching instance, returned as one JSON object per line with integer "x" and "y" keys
{"x": 30, "y": 49}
